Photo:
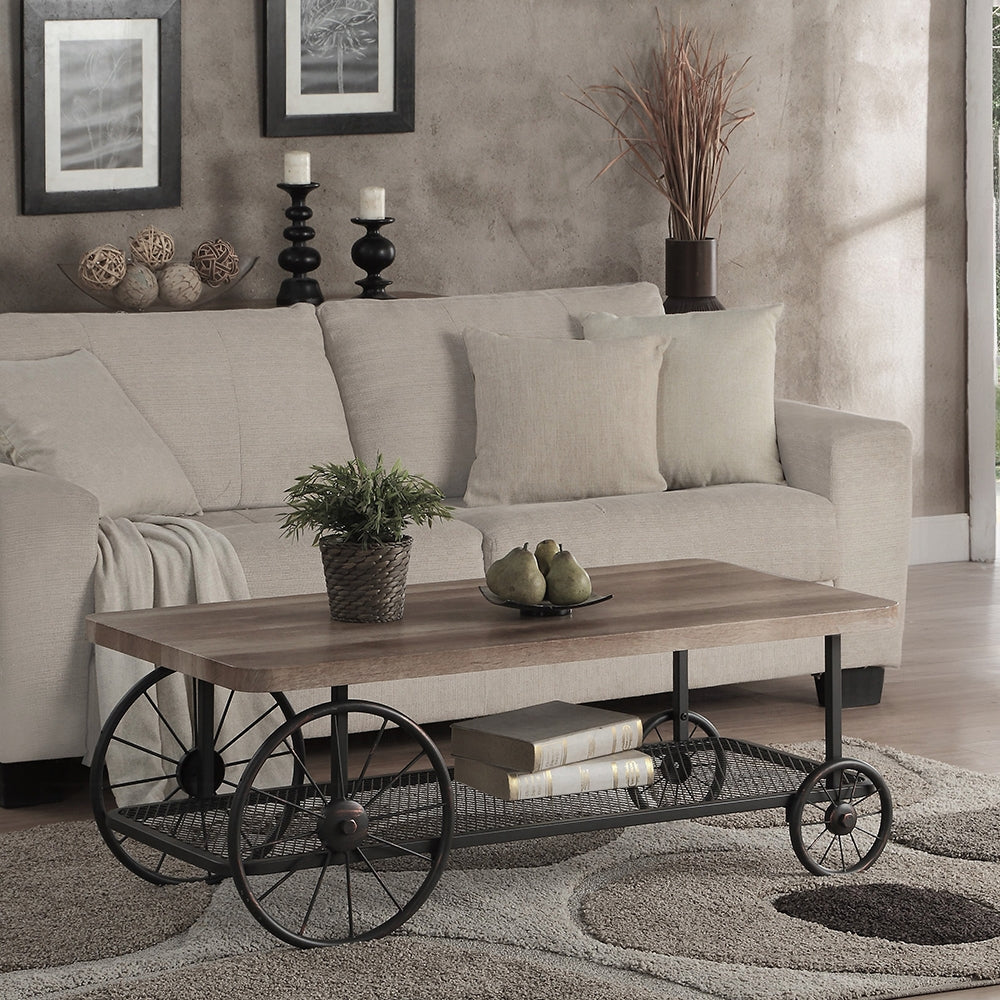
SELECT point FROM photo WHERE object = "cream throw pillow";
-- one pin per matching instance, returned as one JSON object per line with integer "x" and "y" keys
{"x": 563, "y": 419}
{"x": 716, "y": 407}
{"x": 67, "y": 417}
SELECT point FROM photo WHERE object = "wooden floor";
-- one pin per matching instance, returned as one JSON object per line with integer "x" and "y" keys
{"x": 944, "y": 703}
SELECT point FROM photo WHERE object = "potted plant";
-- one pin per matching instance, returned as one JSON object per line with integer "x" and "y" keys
{"x": 673, "y": 123}
{"x": 358, "y": 514}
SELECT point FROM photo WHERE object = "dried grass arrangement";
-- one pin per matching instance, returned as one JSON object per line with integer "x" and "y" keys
{"x": 673, "y": 123}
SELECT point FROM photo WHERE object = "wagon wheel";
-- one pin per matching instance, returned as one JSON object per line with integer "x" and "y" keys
{"x": 684, "y": 774}
{"x": 154, "y": 772}
{"x": 839, "y": 819}
{"x": 364, "y": 849}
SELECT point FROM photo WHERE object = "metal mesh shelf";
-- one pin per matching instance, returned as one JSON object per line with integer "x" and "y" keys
{"x": 694, "y": 777}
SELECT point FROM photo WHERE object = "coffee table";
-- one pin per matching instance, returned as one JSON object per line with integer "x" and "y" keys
{"x": 350, "y": 848}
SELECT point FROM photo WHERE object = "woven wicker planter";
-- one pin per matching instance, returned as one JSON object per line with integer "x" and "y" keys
{"x": 365, "y": 584}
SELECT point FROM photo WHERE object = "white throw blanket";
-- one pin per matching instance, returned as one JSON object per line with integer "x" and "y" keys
{"x": 153, "y": 561}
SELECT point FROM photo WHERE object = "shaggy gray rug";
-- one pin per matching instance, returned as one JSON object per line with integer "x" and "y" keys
{"x": 684, "y": 910}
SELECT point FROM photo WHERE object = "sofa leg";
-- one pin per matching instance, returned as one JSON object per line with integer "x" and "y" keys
{"x": 862, "y": 686}
{"x": 35, "y": 782}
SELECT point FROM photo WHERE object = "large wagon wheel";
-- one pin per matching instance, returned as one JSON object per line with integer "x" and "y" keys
{"x": 685, "y": 773}
{"x": 365, "y": 846}
{"x": 155, "y": 772}
{"x": 840, "y": 818}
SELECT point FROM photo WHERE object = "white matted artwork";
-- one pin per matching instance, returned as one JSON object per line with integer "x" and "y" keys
{"x": 101, "y": 105}
{"x": 339, "y": 66}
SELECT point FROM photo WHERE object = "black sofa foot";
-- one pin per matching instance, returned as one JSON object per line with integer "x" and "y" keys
{"x": 35, "y": 782}
{"x": 861, "y": 686}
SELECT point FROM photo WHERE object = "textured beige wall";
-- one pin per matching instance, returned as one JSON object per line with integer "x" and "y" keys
{"x": 849, "y": 207}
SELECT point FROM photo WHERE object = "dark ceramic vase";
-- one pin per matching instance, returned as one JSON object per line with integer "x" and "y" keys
{"x": 690, "y": 276}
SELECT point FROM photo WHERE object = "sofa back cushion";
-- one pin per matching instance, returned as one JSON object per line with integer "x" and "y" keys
{"x": 243, "y": 398}
{"x": 404, "y": 371}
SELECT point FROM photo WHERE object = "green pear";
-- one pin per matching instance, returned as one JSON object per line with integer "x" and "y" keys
{"x": 544, "y": 551}
{"x": 516, "y": 577}
{"x": 567, "y": 581}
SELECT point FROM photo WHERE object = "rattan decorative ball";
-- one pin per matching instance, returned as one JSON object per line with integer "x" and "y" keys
{"x": 180, "y": 285}
{"x": 102, "y": 268}
{"x": 152, "y": 247}
{"x": 138, "y": 289}
{"x": 216, "y": 261}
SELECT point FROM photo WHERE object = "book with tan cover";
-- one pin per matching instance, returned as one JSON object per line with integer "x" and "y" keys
{"x": 547, "y": 735}
{"x": 619, "y": 770}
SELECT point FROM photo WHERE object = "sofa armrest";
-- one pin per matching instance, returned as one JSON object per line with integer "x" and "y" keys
{"x": 48, "y": 546}
{"x": 863, "y": 466}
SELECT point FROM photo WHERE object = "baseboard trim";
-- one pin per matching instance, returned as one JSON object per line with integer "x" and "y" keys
{"x": 944, "y": 538}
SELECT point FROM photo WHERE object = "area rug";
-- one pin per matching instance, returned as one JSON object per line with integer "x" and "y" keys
{"x": 714, "y": 908}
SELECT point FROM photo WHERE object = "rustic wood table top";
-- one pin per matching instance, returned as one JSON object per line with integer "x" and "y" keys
{"x": 289, "y": 643}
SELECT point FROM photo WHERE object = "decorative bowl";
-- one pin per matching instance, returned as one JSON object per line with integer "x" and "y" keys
{"x": 544, "y": 610}
{"x": 208, "y": 292}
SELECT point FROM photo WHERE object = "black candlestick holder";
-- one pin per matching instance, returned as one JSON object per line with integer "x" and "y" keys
{"x": 373, "y": 252}
{"x": 299, "y": 259}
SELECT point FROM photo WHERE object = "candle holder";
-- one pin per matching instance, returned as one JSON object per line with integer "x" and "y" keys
{"x": 298, "y": 258}
{"x": 373, "y": 252}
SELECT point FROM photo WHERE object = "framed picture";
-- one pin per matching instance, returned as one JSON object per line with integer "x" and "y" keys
{"x": 336, "y": 67}
{"x": 101, "y": 126}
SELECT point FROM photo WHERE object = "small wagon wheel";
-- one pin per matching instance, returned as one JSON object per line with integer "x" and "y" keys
{"x": 684, "y": 773}
{"x": 154, "y": 777}
{"x": 840, "y": 818}
{"x": 369, "y": 835}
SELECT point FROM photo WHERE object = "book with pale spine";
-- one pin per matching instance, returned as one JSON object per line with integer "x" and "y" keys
{"x": 547, "y": 735}
{"x": 619, "y": 770}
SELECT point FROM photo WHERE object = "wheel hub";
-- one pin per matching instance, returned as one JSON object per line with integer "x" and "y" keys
{"x": 676, "y": 767}
{"x": 841, "y": 818}
{"x": 344, "y": 825}
{"x": 189, "y": 773}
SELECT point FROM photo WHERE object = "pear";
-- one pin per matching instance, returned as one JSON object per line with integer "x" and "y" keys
{"x": 544, "y": 551}
{"x": 516, "y": 577}
{"x": 567, "y": 581}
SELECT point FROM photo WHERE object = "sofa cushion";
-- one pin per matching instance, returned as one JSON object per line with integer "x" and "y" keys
{"x": 243, "y": 398}
{"x": 775, "y": 529}
{"x": 67, "y": 417}
{"x": 716, "y": 393}
{"x": 561, "y": 420}
{"x": 404, "y": 372}
{"x": 275, "y": 565}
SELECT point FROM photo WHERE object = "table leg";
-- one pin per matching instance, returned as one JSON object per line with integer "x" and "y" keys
{"x": 204, "y": 705}
{"x": 833, "y": 697}
{"x": 681, "y": 696}
{"x": 338, "y": 744}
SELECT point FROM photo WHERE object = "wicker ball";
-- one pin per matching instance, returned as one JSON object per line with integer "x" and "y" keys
{"x": 102, "y": 268}
{"x": 180, "y": 285}
{"x": 216, "y": 261}
{"x": 138, "y": 289}
{"x": 152, "y": 247}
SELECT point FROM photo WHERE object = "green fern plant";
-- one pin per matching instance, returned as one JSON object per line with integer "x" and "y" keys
{"x": 366, "y": 505}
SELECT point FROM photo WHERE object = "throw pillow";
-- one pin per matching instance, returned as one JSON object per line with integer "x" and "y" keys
{"x": 716, "y": 407}
{"x": 563, "y": 419}
{"x": 67, "y": 417}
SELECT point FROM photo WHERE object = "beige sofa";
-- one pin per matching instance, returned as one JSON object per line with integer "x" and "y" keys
{"x": 245, "y": 400}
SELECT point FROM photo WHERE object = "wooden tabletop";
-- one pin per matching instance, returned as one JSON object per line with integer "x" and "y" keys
{"x": 288, "y": 643}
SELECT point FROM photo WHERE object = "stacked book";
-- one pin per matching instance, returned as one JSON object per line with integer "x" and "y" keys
{"x": 551, "y": 749}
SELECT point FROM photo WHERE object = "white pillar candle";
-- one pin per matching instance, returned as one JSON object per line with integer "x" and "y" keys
{"x": 372, "y": 203}
{"x": 297, "y": 167}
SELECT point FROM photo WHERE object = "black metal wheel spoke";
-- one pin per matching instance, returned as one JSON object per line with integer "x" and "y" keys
{"x": 222, "y": 718}
{"x": 246, "y": 729}
{"x": 401, "y": 848}
{"x": 323, "y": 796}
{"x": 380, "y": 880}
{"x": 359, "y": 781}
{"x": 146, "y": 750}
{"x": 315, "y": 894}
{"x": 394, "y": 783}
{"x": 166, "y": 722}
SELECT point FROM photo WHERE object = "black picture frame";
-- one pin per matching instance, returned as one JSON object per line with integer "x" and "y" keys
{"x": 100, "y": 105}
{"x": 388, "y": 106}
